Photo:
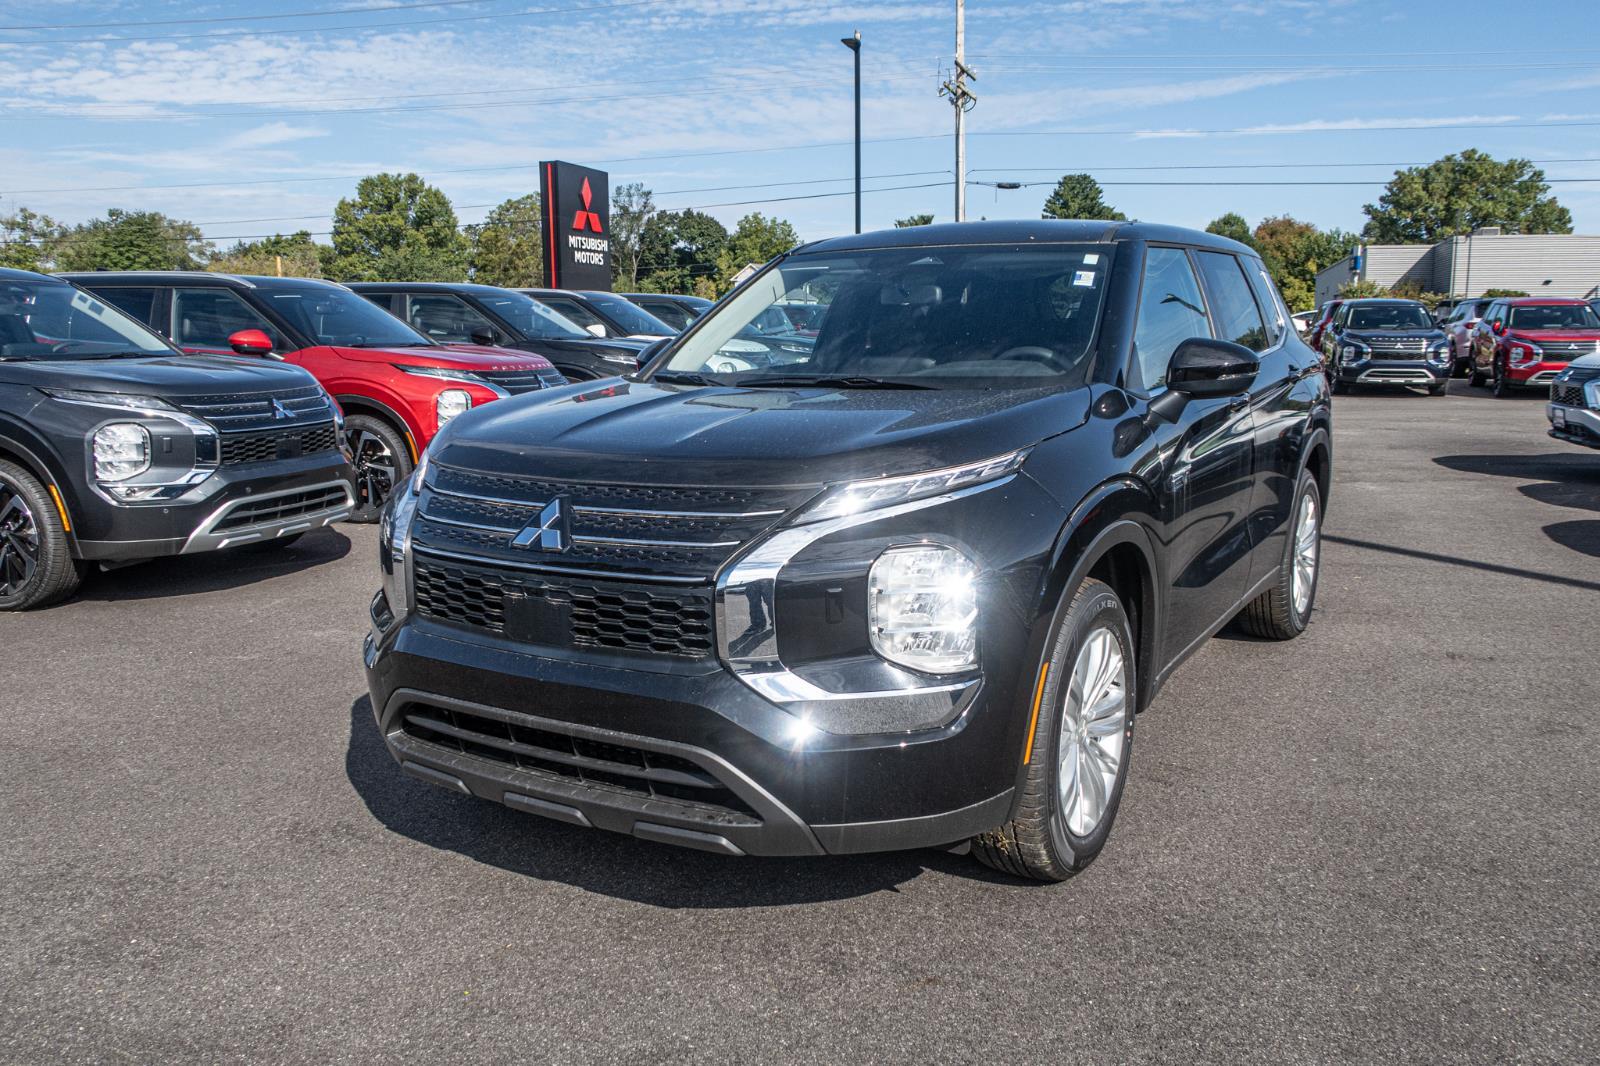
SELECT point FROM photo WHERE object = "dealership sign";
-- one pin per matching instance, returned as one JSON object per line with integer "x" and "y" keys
{"x": 577, "y": 226}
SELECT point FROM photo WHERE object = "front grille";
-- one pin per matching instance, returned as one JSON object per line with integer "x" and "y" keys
{"x": 1568, "y": 394}
{"x": 261, "y": 447}
{"x": 277, "y": 508}
{"x": 691, "y": 791}
{"x": 517, "y": 382}
{"x": 1566, "y": 351}
{"x": 539, "y": 609}
{"x": 237, "y": 412}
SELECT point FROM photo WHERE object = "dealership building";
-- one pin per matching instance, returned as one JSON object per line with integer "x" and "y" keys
{"x": 1537, "y": 264}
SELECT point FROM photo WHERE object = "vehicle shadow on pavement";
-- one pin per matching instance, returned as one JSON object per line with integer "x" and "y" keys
{"x": 611, "y": 864}
{"x": 1566, "y": 479}
{"x": 186, "y": 575}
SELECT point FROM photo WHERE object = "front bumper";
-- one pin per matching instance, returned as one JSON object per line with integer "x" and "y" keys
{"x": 1536, "y": 375}
{"x": 237, "y": 505}
{"x": 1393, "y": 372}
{"x": 689, "y": 756}
{"x": 1577, "y": 425}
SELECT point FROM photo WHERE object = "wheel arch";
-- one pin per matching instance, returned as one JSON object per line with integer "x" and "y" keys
{"x": 357, "y": 404}
{"x": 36, "y": 458}
{"x": 1316, "y": 455}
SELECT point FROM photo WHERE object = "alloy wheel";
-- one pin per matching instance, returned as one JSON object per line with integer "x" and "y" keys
{"x": 1093, "y": 733}
{"x": 19, "y": 542}
{"x": 375, "y": 468}
{"x": 1307, "y": 546}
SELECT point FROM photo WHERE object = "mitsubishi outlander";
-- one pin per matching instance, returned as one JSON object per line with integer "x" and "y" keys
{"x": 907, "y": 584}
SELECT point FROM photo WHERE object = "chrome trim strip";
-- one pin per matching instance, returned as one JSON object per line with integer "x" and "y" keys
{"x": 746, "y": 604}
{"x": 204, "y": 539}
{"x": 485, "y": 499}
{"x": 635, "y": 543}
{"x": 469, "y": 525}
{"x": 517, "y": 564}
{"x": 626, "y": 511}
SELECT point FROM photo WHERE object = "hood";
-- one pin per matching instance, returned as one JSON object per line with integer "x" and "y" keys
{"x": 597, "y": 345}
{"x": 1587, "y": 362}
{"x": 1537, "y": 335}
{"x": 1369, "y": 335}
{"x": 162, "y": 375}
{"x": 643, "y": 433}
{"x": 449, "y": 356}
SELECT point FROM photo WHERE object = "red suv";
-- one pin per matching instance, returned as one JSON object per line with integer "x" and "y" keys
{"x": 397, "y": 387}
{"x": 1527, "y": 341}
{"x": 1323, "y": 321}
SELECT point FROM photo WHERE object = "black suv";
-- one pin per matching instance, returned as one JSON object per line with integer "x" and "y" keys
{"x": 906, "y": 588}
{"x": 452, "y": 313}
{"x": 1387, "y": 342}
{"x": 603, "y": 314}
{"x": 679, "y": 312}
{"x": 114, "y": 446}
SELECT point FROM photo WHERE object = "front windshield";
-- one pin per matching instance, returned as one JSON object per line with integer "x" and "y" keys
{"x": 632, "y": 318}
{"x": 970, "y": 316}
{"x": 1554, "y": 316}
{"x": 335, "y": 315}
{"x": 532, "y": 319}
{"x": 54, "y": 320}
{"x": 1391, "y": 316}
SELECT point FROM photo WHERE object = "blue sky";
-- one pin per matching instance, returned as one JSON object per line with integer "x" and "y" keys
{"x": 266, "y": 122}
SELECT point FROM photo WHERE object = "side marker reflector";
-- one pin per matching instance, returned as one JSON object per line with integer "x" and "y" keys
{"x": 1033, "y": 726}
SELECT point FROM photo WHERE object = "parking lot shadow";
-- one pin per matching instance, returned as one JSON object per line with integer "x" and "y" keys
{"x": 185, "y": 575}
{"x": 1562, "y": 479}
{"x": 609, "y": 863}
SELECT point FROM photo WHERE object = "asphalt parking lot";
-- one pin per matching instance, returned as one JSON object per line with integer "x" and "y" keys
{"x": 1376, "y": 843}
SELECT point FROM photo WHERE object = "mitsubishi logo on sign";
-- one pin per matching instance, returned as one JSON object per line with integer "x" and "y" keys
{"x": 550, "y": 530}
{"x": 576, "y": 218}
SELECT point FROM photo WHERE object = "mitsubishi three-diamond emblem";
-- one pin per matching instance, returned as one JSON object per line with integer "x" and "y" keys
{"x": 549, "y": 531}
{"x": 279, "y": 410}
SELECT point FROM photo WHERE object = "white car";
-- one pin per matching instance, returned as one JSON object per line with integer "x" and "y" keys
{"x": 1303, "y": 321}
{"x": 1574, "y": 408}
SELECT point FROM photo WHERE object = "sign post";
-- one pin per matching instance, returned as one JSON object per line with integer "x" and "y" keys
{"x": 577, "y": 226}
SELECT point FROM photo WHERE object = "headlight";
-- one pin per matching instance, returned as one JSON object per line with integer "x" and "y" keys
{"x": 922, "y": 608}
{"x": 1440, "y": 351}
{"x": 1351, "y": 353}
{"x": 853, "y": 497}
{"x": 113, "y": 400}
{"x": 1523, "y": 353}
{"x": 121, "y": 450}
{"x": 452, "y": 402}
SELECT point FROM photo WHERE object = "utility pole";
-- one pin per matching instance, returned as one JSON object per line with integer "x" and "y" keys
{"x": 963, "y": 100}
{"x": 854, "y": 44}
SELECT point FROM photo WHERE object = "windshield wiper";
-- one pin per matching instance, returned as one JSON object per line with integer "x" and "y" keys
{"x": 682, "y": 377}
{"x": 842, "y": 382}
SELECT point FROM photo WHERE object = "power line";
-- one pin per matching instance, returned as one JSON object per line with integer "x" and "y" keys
{"x": 323, "y": 13}
{"x": 1239, "y": 166}
{"x": 1205, "y": 184}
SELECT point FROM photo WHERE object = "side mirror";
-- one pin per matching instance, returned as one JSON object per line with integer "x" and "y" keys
{"x": 649, "y": 352}
{"x": 596, "y": 329}
{"x": 484, "y": 335}
{"x": 250, "y": 342}
{"x": 1338, "y": 327}
{"x": 1499, "y": 327}
{"x": 1203, "y": 367}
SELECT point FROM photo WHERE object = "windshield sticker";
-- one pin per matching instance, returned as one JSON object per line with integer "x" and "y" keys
{"x": 1083, "y": 279}
{"x": 1091, "y": 259}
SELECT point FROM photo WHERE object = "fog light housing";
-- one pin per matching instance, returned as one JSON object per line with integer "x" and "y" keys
{"x": 452, "y": 402}
{"x": 121, "y": 451}
{"x": 922, "y": 608}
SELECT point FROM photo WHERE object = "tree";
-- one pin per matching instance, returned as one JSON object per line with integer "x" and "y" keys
{"x": 26, "y": 240}
{"x": 631, "y": 210}
{"x": 1491, "y": 294}
{"x": 131, "y": 240}
{"x": 1361, "y": 289}
{"x": 1459, "y": 193}
{"x": 397, "y": 228}
{"x": 1079, "y": 196}
{"x": 913, "y": 220}
{"x": 1295, "y": 251}
{"x": 679, "y": 249}
{"x": 1234, "y": 227}
{"x": 294, "y": 256}
{"x": 507, "y": 247}
{"x": 756, "y": 240}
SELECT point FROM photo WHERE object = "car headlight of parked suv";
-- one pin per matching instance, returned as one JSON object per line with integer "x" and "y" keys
{"x": 121, "y": 451}
{"x": 922, "y": 608}
{"x": 1439, "y": 352}
{"x": 1524, "y": 353}
{"x": 1353, "y": 352}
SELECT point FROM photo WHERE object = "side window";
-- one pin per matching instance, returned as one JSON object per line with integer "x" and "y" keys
{"x": 381, "y": 299}
{"x": 670, "y": 313}
{"x": 206, "y": 318}
{"x": 1233, "y": 305}
{"x": 1171, "y": 310}
{"x": 573, "y": 310}
{"x": 138, "y": 304}
{"x": 1272, "y": 305}
{"x": 445, "y": 318}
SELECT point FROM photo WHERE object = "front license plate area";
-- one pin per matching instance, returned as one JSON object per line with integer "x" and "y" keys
{"x": 534, "y": 618}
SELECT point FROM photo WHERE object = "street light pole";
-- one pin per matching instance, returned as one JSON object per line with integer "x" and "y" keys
{"x": 962, "y": 99}
{"x": 854, "y": 44}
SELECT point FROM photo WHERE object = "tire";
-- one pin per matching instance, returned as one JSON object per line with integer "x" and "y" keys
{"x": 36, "y": 563}
{"x": 1056, "y": 832}
{"x": 1284, "y": 610}
{"x": 382, "y": 461}
{"x": 262, "y": 547}
{"x": 1475, "y": 377}
{"x": 1338, "y": 388}
{"x": 1502, "y": 383}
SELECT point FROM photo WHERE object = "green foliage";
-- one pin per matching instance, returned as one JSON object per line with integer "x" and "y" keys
{"x": 1459, "y": 193}
{"x": 1496, "y": 293}
{"x": 1355, "y": 289}
{"x": 397, "y": 228}
{"x": 679, "y": 248}
{"x": 913, "y": 220}
{"x": 507, "y": 247}
{"x": 632, "y": 207}
{"x": 1079, "y": 196}
{"x": 295, "y": 256}
{"x": 131, "y": 240}
{"x": 1295, "y": 251}
{"x": 756, "y": 239}
{"x": 1232, "y": 226}
{"x": 26, "y": 239}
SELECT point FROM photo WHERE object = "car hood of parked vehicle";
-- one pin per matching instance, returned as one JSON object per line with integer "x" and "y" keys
{"x": 1587, "y": 362}
{"x": 1537, "y": 335}
{"x": 161, "y": 375}
{"x": 1367, "y": 336}
{"x": 449, "y": 356}
{"x": 623, "y": 431}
